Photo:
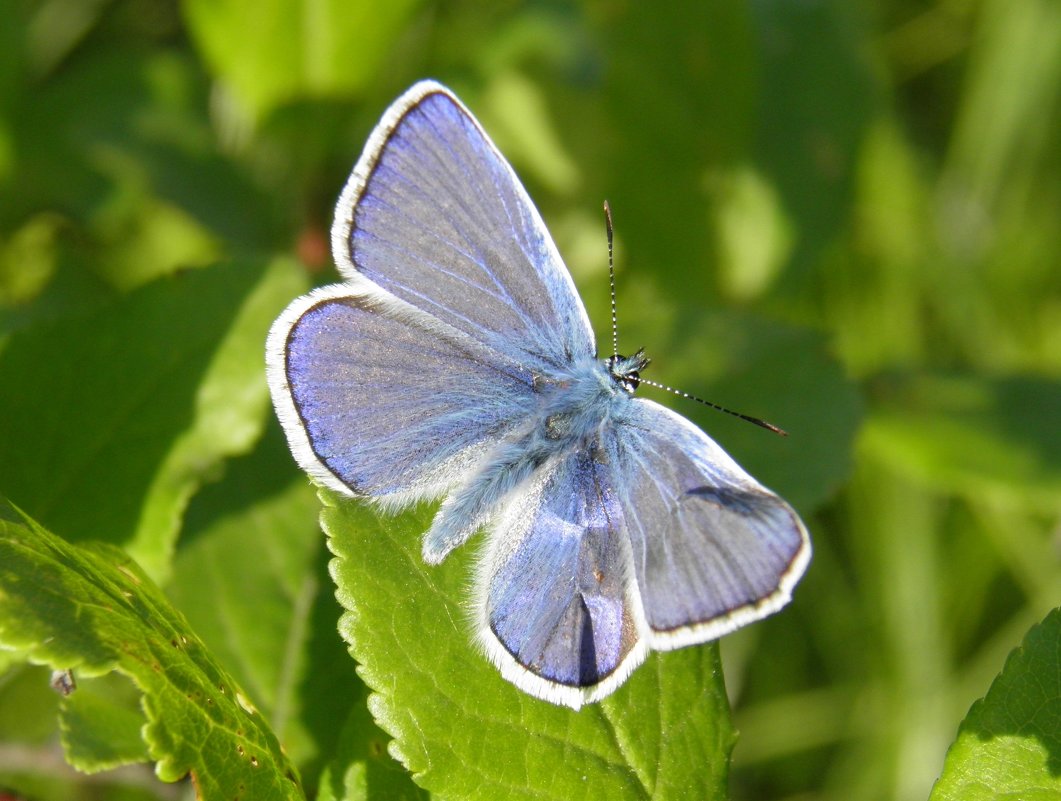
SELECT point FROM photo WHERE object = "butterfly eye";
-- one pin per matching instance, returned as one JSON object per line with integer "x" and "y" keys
{"x": 625, "y": 370}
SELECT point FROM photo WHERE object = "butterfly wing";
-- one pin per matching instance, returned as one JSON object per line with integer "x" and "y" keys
{"x": 557, "y": 609}
{"x": 647, "y": 537}
{"x": 435, "y": 216}
{"x": 712, "y": 548}
{"x": 455, "y": 305}
{"x": 381, "y": 405}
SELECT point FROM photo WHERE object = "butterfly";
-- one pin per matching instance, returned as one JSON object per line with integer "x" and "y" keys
{"x": 456, "y": 361}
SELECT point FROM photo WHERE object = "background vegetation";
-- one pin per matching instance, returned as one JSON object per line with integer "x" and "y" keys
{"x": 842, "y": 217}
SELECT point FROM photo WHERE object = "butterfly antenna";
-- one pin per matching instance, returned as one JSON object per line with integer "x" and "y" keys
{"x": 746, "y": 417}
{"x": 615, "y": 343}
{"x": 611, "y": 276}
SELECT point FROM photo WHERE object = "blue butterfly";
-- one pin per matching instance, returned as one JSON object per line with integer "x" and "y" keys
{"x": 456, "y": 361}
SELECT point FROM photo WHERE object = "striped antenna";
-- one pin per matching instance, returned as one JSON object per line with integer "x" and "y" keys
{"x": 746, "y": 417}
{"x": 615, "y": 344}
{"x": 611, "y": 277}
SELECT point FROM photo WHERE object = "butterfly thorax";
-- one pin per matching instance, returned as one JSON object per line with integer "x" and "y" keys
{"x": 575, "y": 406}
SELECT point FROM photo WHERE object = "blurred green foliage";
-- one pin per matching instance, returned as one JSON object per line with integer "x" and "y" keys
{"x": 842, "y": 217}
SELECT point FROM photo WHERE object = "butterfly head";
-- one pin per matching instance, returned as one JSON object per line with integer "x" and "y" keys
{"x": 626, "y": 370}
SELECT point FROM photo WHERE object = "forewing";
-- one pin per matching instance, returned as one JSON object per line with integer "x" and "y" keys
{"x": 434, "y": 215}
{"x": 712, "y": 548}
{"x": 557, "y": 608}
{"x": 379, "y": 404}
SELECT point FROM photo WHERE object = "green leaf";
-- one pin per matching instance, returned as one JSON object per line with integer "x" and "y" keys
{"x": 251, "y": 577}
{"x": 122, "y": 413}
{"x": 1009, "y": 745}
{"x": 362, "y": 769}
{"x": 280, "y": 50}
{"x": 92, "y": 610}
{"x": 100, "y": 724}
{"x": 465, "y": 732}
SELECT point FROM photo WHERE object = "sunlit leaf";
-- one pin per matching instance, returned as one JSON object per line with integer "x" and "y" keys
{"x": 144, "y": 398}
{"x": 283, "y": 49}
{"x": 252, "y": 579}
{"x": 465, "y": 732}
{"x": 1009, "y": 745}
{"x": 92, "y": 610}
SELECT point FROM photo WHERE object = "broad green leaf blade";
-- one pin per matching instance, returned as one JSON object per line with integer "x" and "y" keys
{"x": 1009, "y": 745}
{"x": 124, "y": 412}
{"x": 361, "y": 769}
{"x": 100, "y": 724}
{"x": 280, "y": 50}
{"x": 465, "y": 732}
{"x": 92, "y": 610}
{"x": 251, "y": 577}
